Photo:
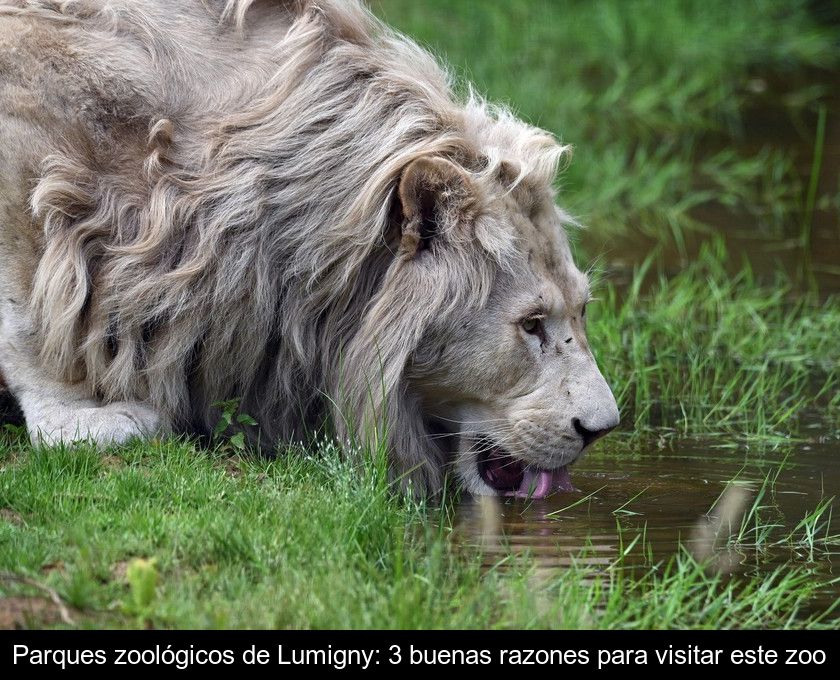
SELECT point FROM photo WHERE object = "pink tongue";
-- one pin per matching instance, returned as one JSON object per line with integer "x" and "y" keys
{"x": 541, "y": 483}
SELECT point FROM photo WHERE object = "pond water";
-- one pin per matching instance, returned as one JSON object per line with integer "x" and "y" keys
{"x": 669, "y": 496}
{"x": 804, "y": 247}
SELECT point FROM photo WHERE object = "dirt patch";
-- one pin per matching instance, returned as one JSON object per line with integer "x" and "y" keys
{"x": 28, "y": 612}
{"x": 19, "y": 611}
{"x": 119, "y": 570}
{"x": 11, "y": 517}
{"x": 57, "y": 566}
{"x": 113, "y": 462}
{"x": 232, "y": 465}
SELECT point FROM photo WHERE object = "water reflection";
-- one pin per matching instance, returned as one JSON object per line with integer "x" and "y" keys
{"x": 639, "y": 508}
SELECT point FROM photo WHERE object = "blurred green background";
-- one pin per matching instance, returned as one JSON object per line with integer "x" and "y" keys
{"x": 686, "y": 116}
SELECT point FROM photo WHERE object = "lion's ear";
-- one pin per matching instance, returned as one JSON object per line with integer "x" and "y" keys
{"x": 436, "y": 197}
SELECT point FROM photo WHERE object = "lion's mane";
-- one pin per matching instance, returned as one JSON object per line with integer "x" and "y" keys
{"x": 243, "y": 251}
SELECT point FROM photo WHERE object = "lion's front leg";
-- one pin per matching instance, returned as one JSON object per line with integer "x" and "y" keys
{"x": 57, "y": 412}
{"x": 55, "y": 422}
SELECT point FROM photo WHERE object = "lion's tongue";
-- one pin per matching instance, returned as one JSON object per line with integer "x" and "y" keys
{"x": 541, "y": 483}
{"x": 509, "y": 477}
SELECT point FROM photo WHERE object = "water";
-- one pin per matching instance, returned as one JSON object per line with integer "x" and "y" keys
{"x": 667, "y": 495}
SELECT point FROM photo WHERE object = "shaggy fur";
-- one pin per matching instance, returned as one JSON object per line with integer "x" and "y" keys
{"x": 215, "y": 210}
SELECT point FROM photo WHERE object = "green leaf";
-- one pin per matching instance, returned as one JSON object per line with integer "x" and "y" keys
{"x": 223, "y": 424}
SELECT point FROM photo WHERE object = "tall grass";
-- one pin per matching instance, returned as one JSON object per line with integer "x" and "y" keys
{"x": 709, "y": 352}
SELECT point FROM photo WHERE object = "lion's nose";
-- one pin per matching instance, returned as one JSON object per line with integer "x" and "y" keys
{"x": 588, "y": 435}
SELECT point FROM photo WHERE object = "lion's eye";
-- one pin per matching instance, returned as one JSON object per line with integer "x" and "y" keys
{"x": 532, "y": 325}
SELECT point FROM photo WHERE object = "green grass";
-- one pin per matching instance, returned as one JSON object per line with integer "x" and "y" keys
{"x": 311, "y": 541}
{"x": 656, "y": 98}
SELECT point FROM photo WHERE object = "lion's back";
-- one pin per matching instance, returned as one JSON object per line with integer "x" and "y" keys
{"x": 86, "y": 82}
{"x": 100, "y": 67}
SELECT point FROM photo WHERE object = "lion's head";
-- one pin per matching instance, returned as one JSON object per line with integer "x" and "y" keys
{"x": 500, "y": 381}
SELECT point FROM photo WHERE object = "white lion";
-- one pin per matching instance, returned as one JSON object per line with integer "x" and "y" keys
{"x": 282, "y": 202}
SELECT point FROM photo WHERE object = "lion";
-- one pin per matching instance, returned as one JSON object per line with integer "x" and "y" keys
{"x": 283, "y": 203}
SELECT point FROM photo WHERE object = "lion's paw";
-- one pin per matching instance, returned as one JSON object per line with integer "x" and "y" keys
{"x": 114, "y": 423}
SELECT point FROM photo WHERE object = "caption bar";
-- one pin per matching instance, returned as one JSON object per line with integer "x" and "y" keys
{"x": 373, "y": 652}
